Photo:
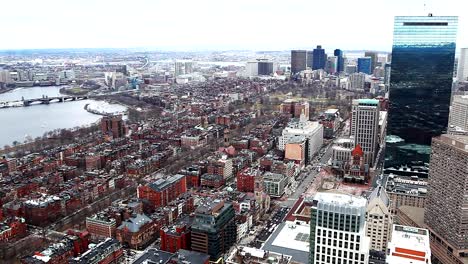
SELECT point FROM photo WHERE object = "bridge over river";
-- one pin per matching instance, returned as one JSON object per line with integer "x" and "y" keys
{"x": 43, "y": 100}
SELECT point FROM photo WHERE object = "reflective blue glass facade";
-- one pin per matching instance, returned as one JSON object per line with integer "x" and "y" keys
{"x": 319, "y": 58}
{"x": 420, "y": 85}
{"x": 339, "y": 54}
{"x": 364, "y": 65}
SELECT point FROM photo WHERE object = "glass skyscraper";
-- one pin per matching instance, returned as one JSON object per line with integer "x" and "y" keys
{"x": 319, "y": 58}
{"x": 339, "y": 54}
{"x": 422, "y": 66}
{"x": 364, "y": 65}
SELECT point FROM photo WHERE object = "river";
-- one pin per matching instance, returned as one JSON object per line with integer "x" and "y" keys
{"x": 20, "y": 123}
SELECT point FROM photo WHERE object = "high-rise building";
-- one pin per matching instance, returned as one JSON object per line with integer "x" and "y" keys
{"x": 5, "y": 76}
{"x": 188, "y": 65}
{"x": 337, "y": 229}
{"x": 339, "y": 54}
{"x": 332, "y": 64}
{"x": 214, "y": 229}
{"x": 259, "y": 67}
{"x": 379, "y": 219}
{"x": 310, "y": 58}
{"x": 251, "y": 68}
{"x": 365, "y": 126}
{"x": 365, "y": 65}
{"x": 462, "y": 73}
{"x": 319, "y": 58}
{"x": 298, "y": 61}
{"x": 409, "y": 245}
{"x": 350, "y": 69}
{"x": 423, "y": 57}
{"x": 387, "y": 69}
{"x": 446, "y": 203}
{"x": 459, "y": 114}
{"x": 374, "y": 58}
{"x": 265, "y": 67}
{"x": 357, "y": 81}
{"x": 179, "y": 68}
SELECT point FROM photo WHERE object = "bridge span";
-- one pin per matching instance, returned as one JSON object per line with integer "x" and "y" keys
{"x": 43, "y": 100}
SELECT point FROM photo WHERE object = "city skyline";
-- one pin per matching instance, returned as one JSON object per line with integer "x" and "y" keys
{"x": 214, "y": 26}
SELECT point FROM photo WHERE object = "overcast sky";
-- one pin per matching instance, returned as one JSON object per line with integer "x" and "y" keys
{"x": 213, "y": 24}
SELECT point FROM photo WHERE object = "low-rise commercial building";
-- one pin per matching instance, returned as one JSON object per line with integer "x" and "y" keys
{"x": 274, "y": 184}
{"x": 409, "y": 245}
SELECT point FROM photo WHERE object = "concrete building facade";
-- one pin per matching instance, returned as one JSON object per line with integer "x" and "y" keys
{"x": 311, "y": 131}
{"x": 379, "y": 219}
{"x": 459, "y": 113}
{"x": 337, "y": 229}
{"x": 365, "y": 127}
{"x": 462, "y": 73}
{"x": 446, "y": 204}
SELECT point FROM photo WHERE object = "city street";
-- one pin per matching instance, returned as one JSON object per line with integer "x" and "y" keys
{"x": 310, "y": 172}
{"x": 308, "y": 176}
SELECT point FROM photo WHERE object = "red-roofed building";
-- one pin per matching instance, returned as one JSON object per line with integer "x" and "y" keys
{"x": 356, "y": 170}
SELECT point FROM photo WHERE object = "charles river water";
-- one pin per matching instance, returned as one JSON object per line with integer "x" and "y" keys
{"x": 21, "y": 123}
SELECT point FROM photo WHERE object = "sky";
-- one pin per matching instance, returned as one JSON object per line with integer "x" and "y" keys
{"x": 197, "y": 25}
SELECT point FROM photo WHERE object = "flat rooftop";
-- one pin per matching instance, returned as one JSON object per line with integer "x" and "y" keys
{"x": 342, "y": 199}
{"x": 412, "y": 238}
{"x": 290, "y": 239}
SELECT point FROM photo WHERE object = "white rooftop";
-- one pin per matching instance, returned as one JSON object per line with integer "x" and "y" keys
{"x": 299, "y": 128}
{"x": 331, "y": 111}
{"x": 294, "y": 237}
{"x": 341, "y": 199}
{"x": 409, "y": 238}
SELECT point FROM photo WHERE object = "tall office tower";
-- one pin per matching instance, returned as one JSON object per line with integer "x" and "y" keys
{"x": 357, "y": 81}
{"x": 339, "y": 54}
{"x": 319, "y": 58}
{"x": 364, "y": 65}
{"x": 446, "y": 212}
{"x": 5, "y": 76}
{"x": 423, "y": 56}
{"x": 365, "y": 127}
{"x": 374, "y": 58}
{"x": 337, "y": 229}
{"x": 265, "y": 67}
{"x": 387, "y": 69}
{"x": 379, "y": 219}
{"x": 188, "y": 67}
{"x": 350, "y": 69}
{"x": 214, "y": 229}
{"x": 251, "y": 68}
{"x": 462, "y": 73}
{"x": 298, "y": 61}
{"x": 459, "y": 114}
{"x": 409, "y": 245}
{"x": 332, "y": 64}
{"x": 179, "y": 68}
{"x": 310, "y": 59}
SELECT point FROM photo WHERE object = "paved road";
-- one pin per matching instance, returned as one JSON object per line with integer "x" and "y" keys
{"x": 309, "y": 176}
